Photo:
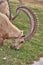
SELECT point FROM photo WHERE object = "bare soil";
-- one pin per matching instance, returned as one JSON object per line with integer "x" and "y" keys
{"x": 33, "y": 3}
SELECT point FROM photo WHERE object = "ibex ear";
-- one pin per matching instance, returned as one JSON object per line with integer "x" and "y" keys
{"x": 22, "y": 33}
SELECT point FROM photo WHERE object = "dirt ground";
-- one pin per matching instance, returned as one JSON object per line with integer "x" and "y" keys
{"x": 33, "y": 3}
{"x": 28, "y": 0}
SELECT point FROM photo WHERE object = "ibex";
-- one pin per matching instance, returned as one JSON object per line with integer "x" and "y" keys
{"x": 8, "y": 30}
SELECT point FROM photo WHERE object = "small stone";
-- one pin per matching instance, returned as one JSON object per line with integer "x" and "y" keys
{"x": 5, "y": 58}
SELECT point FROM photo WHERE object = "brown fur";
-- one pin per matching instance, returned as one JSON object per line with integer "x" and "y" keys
{"x": 4, "y": 8}
{"x": 7, "y": 29}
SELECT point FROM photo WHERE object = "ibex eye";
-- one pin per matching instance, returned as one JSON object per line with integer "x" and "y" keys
{"x": 1, "y": 2}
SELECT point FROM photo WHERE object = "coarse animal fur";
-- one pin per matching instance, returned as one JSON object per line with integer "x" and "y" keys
{"x": 4, "y": 8}
{"x": 7, "y": 29}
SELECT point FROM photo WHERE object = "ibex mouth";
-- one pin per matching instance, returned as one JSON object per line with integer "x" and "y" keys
{"x": 18, "y": 43}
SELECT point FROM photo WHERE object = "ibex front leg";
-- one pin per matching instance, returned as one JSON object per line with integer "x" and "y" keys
{"x": 1, "y": 40}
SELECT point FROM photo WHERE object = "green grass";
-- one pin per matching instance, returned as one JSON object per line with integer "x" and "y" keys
{"x": 32, "y": 49}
